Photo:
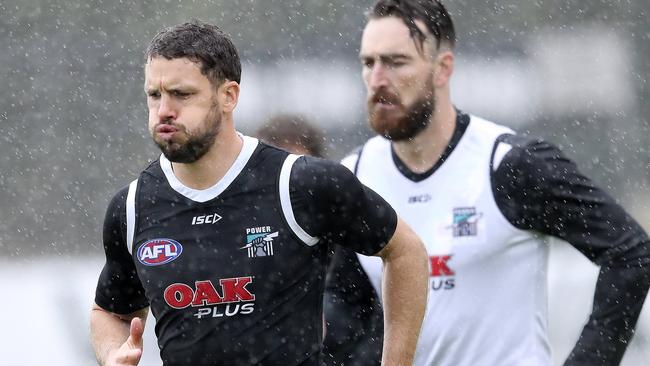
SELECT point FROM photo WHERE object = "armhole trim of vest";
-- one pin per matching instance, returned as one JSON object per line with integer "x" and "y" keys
{"x": 285, "y": 202}
{"x": 130, "y": 215}
{"x": 501, "y": 147}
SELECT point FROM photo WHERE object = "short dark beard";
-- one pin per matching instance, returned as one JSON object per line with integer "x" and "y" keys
{"x": 196, "y": 146}
{"x": 191, "y": 151}
{"x": 412, "y": 123}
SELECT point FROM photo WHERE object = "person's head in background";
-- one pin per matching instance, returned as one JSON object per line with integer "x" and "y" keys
{"x": 292, "y": 132}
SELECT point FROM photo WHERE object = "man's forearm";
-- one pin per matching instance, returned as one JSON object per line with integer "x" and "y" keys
{"x": 109, "y": 331}
{"x": 405, "y": 295}
{"x": 620, "y": 293}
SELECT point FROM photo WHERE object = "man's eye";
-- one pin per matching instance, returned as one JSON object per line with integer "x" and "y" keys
{"x": 180, "y": 94}
{"x": 153, "y": 95}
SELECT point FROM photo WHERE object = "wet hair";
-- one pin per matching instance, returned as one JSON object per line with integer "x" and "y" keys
{"x": 200, "y": 42}
{"x": 289, "y": 130}
{"x": 431, "y": 12}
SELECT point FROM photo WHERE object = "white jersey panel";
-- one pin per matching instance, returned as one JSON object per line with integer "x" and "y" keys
{"x": 478, "y": 259}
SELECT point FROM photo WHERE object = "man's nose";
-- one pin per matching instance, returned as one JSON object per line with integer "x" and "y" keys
{"x": 166, "y": 109}
{"x": 378, "y": 77}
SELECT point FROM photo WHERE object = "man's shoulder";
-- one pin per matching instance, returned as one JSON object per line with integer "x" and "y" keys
{"x": 503, "y": 134}
{"x": 153, "y": 168}
{"x": 497, "y": 139}
{"x": 265, "y": 150}
{"x": 309, "y": 165}
{"x": 485, "y": 128}
{"x": 318, "y": 175}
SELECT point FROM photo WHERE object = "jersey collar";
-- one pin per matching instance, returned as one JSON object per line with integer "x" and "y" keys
{"x": 204, "y": 195}
{"x": 462, "y": 121}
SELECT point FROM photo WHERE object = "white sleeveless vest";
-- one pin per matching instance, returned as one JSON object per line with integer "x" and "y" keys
{"x": 487, "y": 302}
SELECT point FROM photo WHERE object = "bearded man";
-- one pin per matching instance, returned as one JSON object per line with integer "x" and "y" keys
{"x": 226, "y": 238}
{"x": 484, "y": 200}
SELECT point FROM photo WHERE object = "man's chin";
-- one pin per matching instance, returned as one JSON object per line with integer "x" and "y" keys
{"x": 384, "y": 126}
{"x": 182, "y": 157}
{"x": 393, "y": 131}
{"x": 169, "y": 148}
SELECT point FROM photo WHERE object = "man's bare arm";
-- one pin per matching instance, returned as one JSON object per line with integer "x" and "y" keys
{"x": 117, "y": 339}
{"x": 404, "y": 288}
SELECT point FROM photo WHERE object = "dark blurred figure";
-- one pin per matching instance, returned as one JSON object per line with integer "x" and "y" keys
{"x": 294, "y": 133}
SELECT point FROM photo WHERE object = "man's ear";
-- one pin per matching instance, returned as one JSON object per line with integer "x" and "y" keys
{"x": 229, "y": 91}
{"x": 444, "y": 67}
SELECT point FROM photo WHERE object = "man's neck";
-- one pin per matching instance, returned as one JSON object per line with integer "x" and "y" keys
{"x": 211, "y": 167}
{"x": 422, "y": 152}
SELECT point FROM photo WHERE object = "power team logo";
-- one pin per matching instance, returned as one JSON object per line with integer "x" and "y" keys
{"x": 442, "y": 276}
{"x": 465, "y": 221}
{"x": 232, "y": 298}
{"x": 259, "y": 241}
{"x": 159, "y": 251}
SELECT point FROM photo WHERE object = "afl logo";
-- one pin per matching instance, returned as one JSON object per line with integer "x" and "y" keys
{"x": 159, "y": 251}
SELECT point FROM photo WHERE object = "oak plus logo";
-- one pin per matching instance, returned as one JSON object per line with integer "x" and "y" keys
{"x": 442, "y": 276}
{"x": 232, "y": 298}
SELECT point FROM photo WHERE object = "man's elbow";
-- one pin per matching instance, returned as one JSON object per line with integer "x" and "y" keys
{"x": 405, "y": 243}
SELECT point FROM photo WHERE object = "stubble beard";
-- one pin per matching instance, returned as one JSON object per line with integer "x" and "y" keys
{"x": 195, "y": 145}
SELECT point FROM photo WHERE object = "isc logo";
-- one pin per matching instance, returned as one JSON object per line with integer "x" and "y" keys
{"x": 422, "y": 198}
{"x": 206, "y": 219}
{"x": 159, "y": 251}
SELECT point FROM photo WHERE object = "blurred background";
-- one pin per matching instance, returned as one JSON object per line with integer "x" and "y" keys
{"x": 73, "y": 123}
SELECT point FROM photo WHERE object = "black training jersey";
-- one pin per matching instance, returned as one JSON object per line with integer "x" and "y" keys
{"x": 234, "y": 274}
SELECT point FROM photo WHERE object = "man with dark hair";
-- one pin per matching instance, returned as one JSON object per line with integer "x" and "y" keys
{"x": 484, "y": 200}
{"x": 225, "y": 238}
{"x": 292, "y": 132}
